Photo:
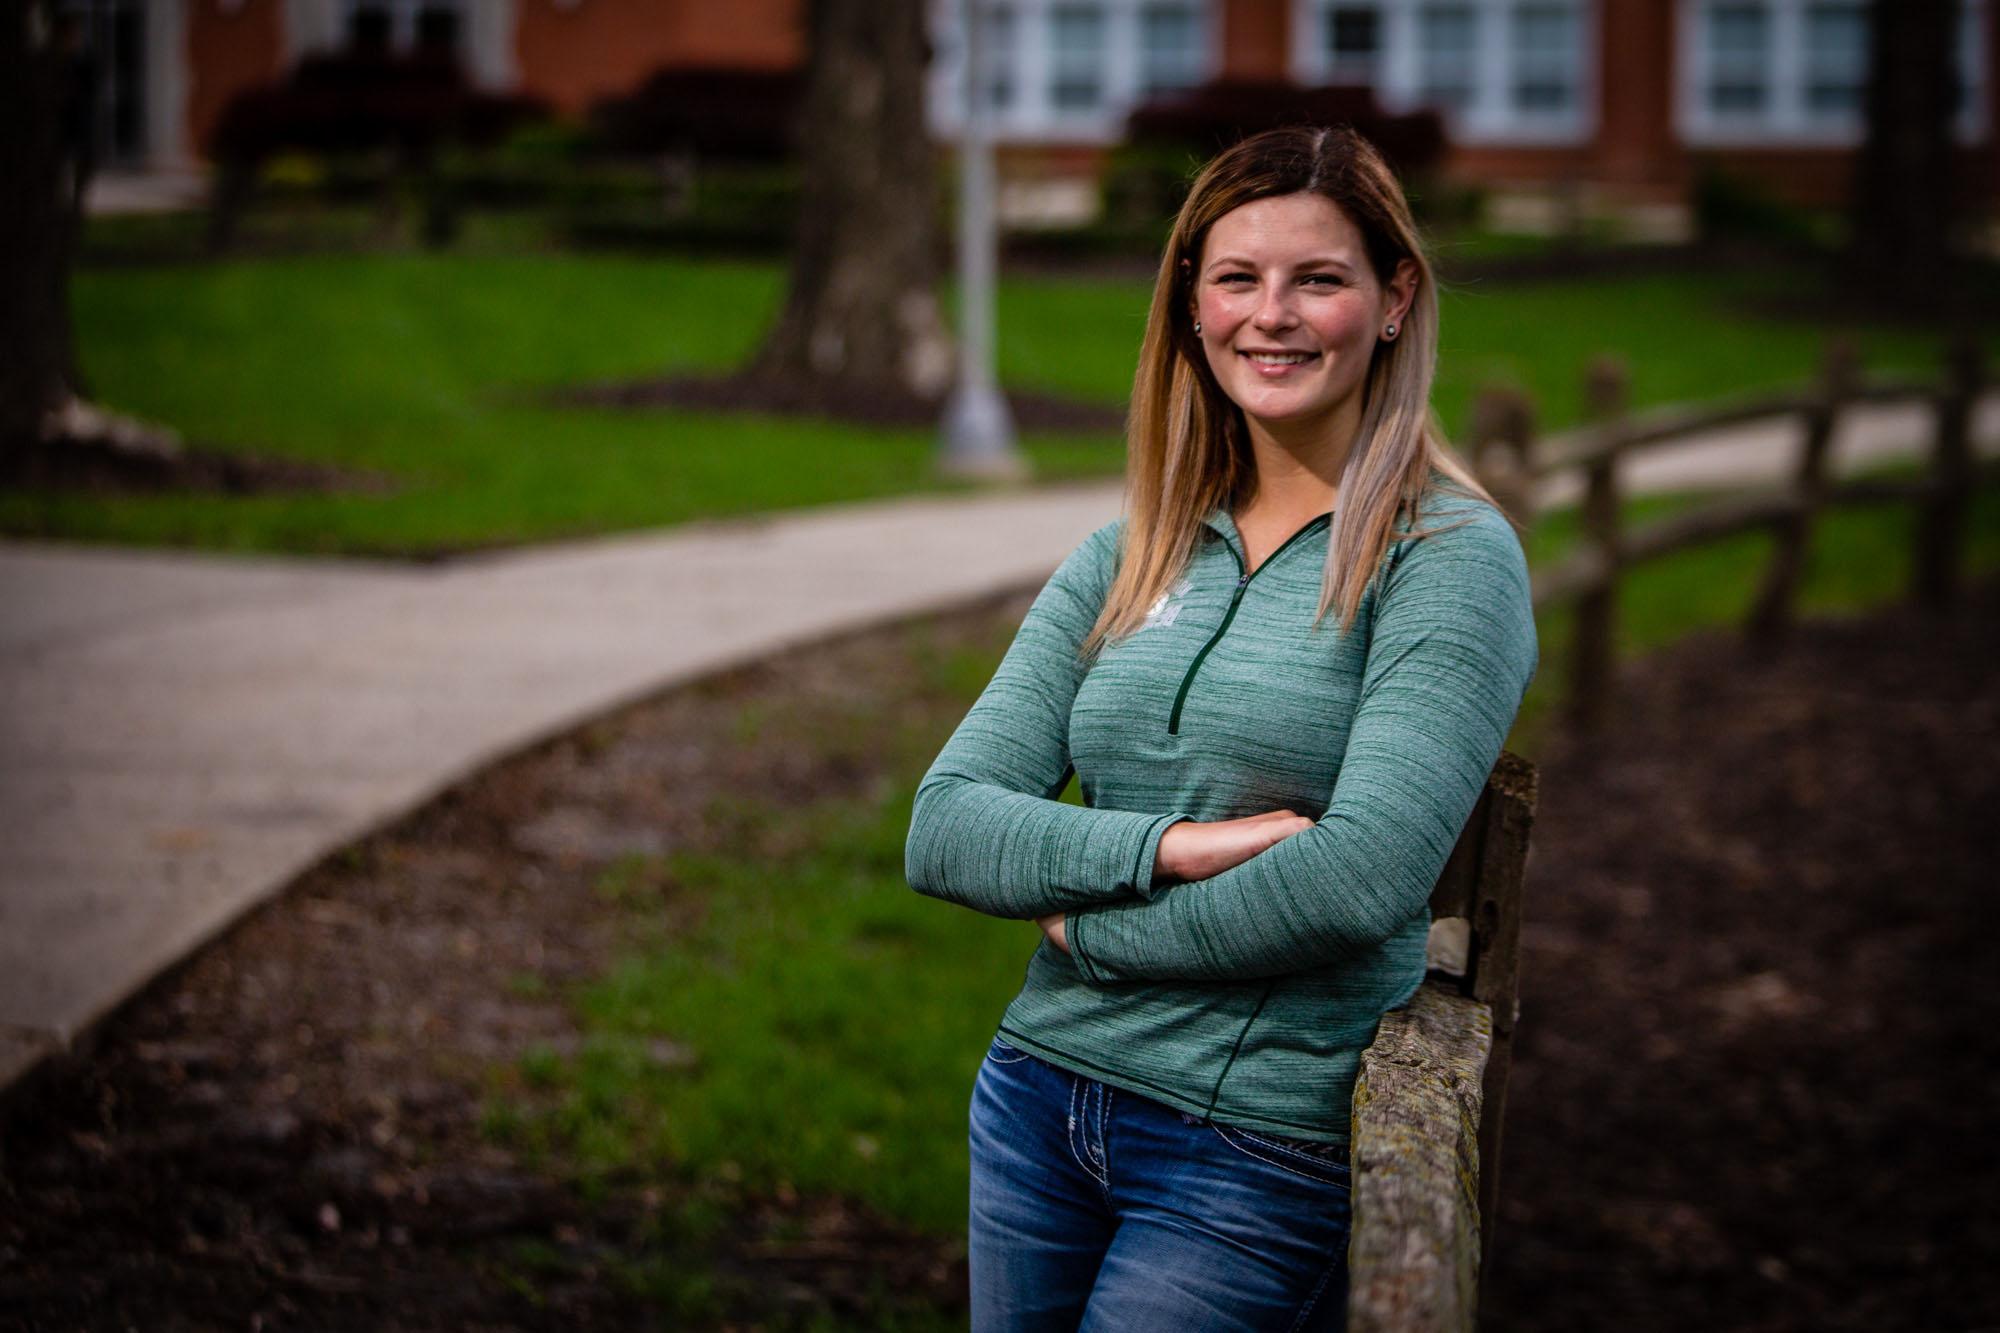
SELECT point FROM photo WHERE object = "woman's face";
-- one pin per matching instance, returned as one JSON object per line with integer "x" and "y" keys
{"x": 1290, "y": 312}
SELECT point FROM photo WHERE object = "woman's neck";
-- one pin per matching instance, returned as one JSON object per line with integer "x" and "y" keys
{"x": 1297, "y": 472}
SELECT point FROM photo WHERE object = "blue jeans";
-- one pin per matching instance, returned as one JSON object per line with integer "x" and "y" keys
{"x": 1095, "y": 1208}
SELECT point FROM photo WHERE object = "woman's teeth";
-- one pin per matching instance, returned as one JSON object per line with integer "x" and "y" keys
{"x": 1289, "y": 359}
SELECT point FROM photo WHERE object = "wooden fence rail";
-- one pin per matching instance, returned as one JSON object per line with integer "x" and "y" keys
{"x": 1431, "y": 1094}
{"x": 1504, "y": 452}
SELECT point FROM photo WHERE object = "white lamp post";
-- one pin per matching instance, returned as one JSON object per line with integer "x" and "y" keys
{"x": 978, "y": 433}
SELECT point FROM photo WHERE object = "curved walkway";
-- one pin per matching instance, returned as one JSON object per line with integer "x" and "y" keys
{"x": 182, "y": 735}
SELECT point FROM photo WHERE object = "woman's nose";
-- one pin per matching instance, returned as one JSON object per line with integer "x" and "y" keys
{"x": 1274, "y": 310}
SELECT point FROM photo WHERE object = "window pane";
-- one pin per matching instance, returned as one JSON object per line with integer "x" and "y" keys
{"x": 998, "y": 54}
{"x": 1446, "y": 38}
{"x": 1353, "y": 42}
{"x": 1076, "y": 48}
{"x": 1739, "y": 30}
{"x": 1836, "y": 58}
{"x": 1169, "y": 48}
{"x": 1739, "y": 38}
{"x": 1545, "y": 57}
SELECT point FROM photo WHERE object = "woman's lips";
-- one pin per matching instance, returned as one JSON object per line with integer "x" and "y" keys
{"x": 1277, "y": 365}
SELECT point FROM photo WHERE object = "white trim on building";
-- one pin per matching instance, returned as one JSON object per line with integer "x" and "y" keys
{"x": 489, "y": 44}
{"x": 1512, "y": 72}
{"x": 167, "y": 86}
{"x": 1070, "y": 71}
{"x": 1793, "y": 73}
{"x": 311, "y": 27}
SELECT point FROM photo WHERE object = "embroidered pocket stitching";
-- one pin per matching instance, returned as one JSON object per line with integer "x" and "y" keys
{"x": 1249, "y": 1148}
{"x": 1013, "y": 1054}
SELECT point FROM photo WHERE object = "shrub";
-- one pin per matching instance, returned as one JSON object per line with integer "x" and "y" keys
{"x": 356, "y": 103}
{"x": 1208, "y": 119}
{"x": 1729, "y": 207}
{"x": 1168, "y": 140}
{"x": 734, "y": 114}
{"x": 370, "y": 116}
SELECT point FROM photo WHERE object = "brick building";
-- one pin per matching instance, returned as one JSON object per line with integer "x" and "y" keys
{"x": 1625, "y": 97}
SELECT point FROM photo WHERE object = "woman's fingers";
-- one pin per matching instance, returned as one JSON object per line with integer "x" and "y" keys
{"x": 1190, "y": 850}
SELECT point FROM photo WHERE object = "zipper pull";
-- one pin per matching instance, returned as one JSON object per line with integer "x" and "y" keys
{"x": 1242, "y": 579}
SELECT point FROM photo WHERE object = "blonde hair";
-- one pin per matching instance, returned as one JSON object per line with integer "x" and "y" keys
{"x": 1187, "y": 447}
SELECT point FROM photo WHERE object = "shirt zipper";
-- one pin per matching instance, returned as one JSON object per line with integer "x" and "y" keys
{"x": 1242, "y": 581}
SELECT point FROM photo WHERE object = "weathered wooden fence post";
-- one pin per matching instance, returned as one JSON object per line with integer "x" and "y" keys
{"x": 1605, "y": 394}
{"x": 1502, "y": 447}
{"x": 1941, "y": 515}
{"x": 1433, "y": 1087}
{"x": 1771, "y": 615}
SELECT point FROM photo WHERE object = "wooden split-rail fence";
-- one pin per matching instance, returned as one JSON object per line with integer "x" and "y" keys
{"x": 1432, "y": 1090}
{"x": 1503, "y": 452}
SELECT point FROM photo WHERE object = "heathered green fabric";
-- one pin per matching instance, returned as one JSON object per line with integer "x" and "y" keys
{"x": 1248, "y": 997}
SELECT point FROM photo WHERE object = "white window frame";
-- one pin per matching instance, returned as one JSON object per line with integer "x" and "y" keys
{"x": 1787, "y": 120}
{"x": 1032, "y": 116}
{"x": 1492, "y": 118}
{"x": 1060, "y": 66}
{"x": 1311, "y": 29}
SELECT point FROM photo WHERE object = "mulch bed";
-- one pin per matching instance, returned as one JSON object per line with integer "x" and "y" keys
{"x": 1758, "y": 1054}
{"x": 90, "y": 466}
{"x": 859, "y": 404}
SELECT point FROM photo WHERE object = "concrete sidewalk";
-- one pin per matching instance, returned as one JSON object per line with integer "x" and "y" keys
{"x": 182, "y": 735}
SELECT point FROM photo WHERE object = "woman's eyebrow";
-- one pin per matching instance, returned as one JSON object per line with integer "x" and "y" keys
{"x": 1316, "y": 261}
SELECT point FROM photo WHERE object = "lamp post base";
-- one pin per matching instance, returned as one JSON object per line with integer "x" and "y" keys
{"x": 979, "y": 437}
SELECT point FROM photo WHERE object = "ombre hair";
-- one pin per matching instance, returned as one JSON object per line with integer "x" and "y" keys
{"x": 1187, "y": 448}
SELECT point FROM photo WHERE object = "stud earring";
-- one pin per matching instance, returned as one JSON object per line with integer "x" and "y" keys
{"x": 1389, "y": 332}
{"x": 1197, "y": 328}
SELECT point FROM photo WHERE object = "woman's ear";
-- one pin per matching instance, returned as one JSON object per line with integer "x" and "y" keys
{"x": 1400, "y": 293}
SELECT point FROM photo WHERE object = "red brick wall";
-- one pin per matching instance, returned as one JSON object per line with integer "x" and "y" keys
{"x": 1635, "y": 59}
{"x": 228, "y": 52}
{"x": 1256, "y": 35}
{"x": 1517, "y": 165}
{"x": 1824, "y": 177}
{"x": 574, "y": 54}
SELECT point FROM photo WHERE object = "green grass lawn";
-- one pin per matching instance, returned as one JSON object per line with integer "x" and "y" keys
{"x": 424, "y": 369}
{"x": 836, "y": 1018}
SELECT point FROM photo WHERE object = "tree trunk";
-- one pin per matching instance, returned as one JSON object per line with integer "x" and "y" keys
{"x": 1905, "y": 196}
{"x": 36, "y": 368}
{"x": 862, "y": 308}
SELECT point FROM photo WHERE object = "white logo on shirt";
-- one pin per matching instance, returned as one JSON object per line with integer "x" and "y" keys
{"x": 1167, "y": 609}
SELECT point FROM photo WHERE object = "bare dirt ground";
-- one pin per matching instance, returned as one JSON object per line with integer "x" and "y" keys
{"x": 1760, "y": 1050}
{"x": 1758, "y": 1058}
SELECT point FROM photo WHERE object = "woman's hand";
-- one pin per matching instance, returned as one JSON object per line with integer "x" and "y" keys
{"x": 1189, "y": 850}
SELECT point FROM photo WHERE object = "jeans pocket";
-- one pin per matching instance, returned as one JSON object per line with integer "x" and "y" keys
{"x": 1000, "y": 1053}
{"x": 1324, "y": 1163}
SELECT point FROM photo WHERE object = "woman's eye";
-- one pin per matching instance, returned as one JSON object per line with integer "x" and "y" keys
{"x": 1235, "y": 277}
{"x": 1324, "y": 280}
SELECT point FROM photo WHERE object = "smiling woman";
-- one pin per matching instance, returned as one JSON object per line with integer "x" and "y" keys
{"x": 1282, "y": 679}
{"x": 1289, "y": 315}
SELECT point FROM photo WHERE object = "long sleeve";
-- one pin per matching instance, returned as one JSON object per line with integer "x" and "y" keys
{"x": 986, "y": 829}
{"x": 1450, "y": 654}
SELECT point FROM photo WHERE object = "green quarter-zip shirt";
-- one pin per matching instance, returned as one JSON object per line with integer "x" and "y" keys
{"x": 1246, "y": 998}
